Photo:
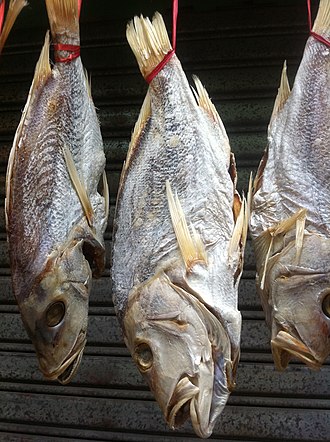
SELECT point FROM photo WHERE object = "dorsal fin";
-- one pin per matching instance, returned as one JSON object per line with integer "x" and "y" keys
{"x": 15, "y": 7}
{"x": 322, "y": 20}
{"x": 204, "y": 100}
{"x": 148, "y": 41}
{"x": 191, "y": 246}
{"x": 282, "y": 94}
{"x": 143, "y": 117}
{"x": 205, "y": 103}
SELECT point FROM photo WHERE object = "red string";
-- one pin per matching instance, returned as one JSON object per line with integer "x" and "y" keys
{"x": 74, "y": 49}
{"x": 175, "y": 8}
{"x": 169, "y": 55}
{"x": 2, "y": 13}
{"x": 312, "y": 33}
{"x": 79, "y": 7}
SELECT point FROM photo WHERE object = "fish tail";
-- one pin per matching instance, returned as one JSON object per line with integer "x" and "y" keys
{"x": 322, "y": 20}
{"x": 149, "y": 41}
{"x": 15, "y": 7}
{"x": 63, "y": 17}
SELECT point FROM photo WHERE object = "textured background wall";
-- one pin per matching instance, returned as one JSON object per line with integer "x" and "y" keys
{"x": 237, "y": 48}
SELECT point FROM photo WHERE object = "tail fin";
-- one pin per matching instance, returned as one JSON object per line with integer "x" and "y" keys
{"x": 322, "y": 20}
{"x": 149, "y": 41}
{"x": 15, "y": 7}
{"x": 63, "y": 17}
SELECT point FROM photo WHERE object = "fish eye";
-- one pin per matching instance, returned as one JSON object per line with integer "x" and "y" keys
{"x": 55, "y": 313}
{"x": 326, "y": 305}
{"x": 143, "y": 356}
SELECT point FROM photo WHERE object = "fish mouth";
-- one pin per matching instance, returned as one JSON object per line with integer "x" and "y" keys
{"x": 184, "y": 403}
{"x": 69, "y": 367}
{"x": 178, "y": 409}
{"x": 285, "y": 346}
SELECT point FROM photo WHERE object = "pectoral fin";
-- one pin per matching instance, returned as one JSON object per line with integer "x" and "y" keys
{"x": 79, "y": 187}
{"x": 191, "y": 246}
{"x": 264, "y": 243}
{"x": 238, "y": 238}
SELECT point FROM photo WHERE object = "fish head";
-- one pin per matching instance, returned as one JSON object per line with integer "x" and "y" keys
{"x": 182, "y": 350}
{"x": 56, "y": 313}
{"x": 300, "y": 296}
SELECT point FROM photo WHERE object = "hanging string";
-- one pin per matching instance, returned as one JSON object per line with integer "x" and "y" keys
{"x": 2, "y": 13}
{"x": 169, "y": 55}
{"x": 73, "y": 49}
{"x": 79, "y": 7}
{"x": 311, "y": 32}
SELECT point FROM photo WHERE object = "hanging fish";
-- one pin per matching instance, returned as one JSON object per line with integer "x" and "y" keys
{"x": 14, "y": 8}
{"x": 179, "y": 234}
{"x": 290, "y": 220}
{"x": 55, "y": 216}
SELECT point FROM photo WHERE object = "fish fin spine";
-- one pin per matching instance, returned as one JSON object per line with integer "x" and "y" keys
{"x": 41, "y": 74}
{"x": 191, "y": 246}
{"x": 283, "y": 92}
{"x": 78, "y": 186}
{"x": 300, "y": 230}
{"x": 204, "y": 100}
{"x": 265, "y": 240}
{"x": 106, "y": 194}
{"x": 88, "y": 80}
{"x": 143, "y": 117}
{"x": 322, "y": 20}
{"x": 14, "y": 9}
{"x": 249, "y": 197}
{"x": 149, "y": 41}
{"x": 43, "y": 69}
{"x": 238, "y": 239}
{"x": 63, "y": 17}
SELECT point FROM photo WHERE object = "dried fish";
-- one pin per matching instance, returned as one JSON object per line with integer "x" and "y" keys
{"x": 290, "y": 220}
{"x": 55, "y": 216}
{"x": 179, "y": 235}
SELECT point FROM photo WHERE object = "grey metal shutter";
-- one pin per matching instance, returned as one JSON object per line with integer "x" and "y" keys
{"x": 237, "y": 48}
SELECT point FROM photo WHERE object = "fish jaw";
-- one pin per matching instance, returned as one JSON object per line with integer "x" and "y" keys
{"x": 172, "y": 342}
{"x": 56, "y": 312}
{"x": 285, "y": 346}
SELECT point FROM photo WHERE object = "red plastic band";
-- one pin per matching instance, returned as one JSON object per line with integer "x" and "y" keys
{"x": 74, "y": 49}
{"x": 312, "y": 33}
{"x": 160, "y": 66}
{"x": 169, "y": 55}
{"x": 2, "y": 13}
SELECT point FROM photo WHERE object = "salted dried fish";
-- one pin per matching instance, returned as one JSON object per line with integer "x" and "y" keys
{"x": 179, "y": 235}
{"x": 55, "y": 216}
{"x": 290, "y": 220}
